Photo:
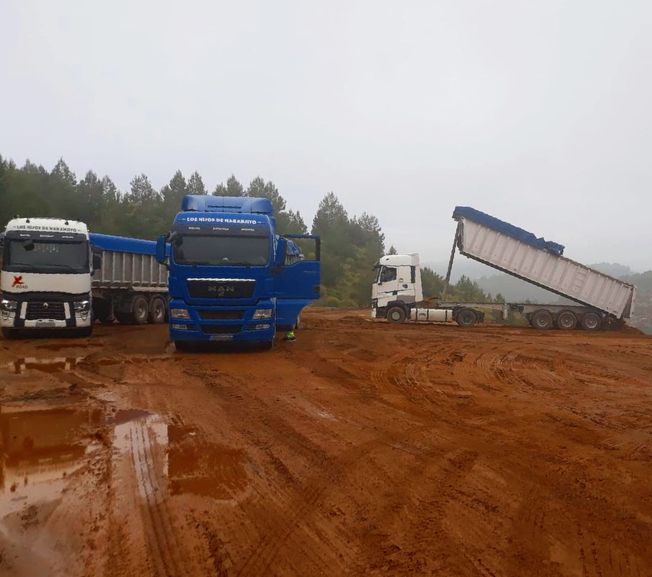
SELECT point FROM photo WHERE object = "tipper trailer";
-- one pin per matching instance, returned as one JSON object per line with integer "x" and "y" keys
{"x": 602, "y": 300}
{"x": 130, "y": 286}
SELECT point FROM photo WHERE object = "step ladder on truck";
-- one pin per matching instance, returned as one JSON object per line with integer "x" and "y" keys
{"x": 602, "y": 301}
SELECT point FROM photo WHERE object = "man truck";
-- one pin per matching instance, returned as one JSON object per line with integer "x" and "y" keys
{"x": 601, "y": 300}
{"x": 55, "y": 275}
{"x": 231, "y": 276}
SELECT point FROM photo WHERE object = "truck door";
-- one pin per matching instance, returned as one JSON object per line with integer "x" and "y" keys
{"x": 388, "y": 284}
{"x": 296, "y": 283}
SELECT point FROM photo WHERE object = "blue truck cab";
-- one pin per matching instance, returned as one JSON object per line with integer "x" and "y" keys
{"x": 231, "y": 276}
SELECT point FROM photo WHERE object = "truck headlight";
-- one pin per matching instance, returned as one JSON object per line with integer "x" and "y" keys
{"x": 82, "y": 306}
{"x": 263, "y": 326}
{"x": 262, "y": 314}
{"x": 8, "y": 306}
{"x": 180, "y": 314}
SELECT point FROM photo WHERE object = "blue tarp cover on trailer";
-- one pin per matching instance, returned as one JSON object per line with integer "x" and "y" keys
{"x": 123, "y": 244}
{"x": 508, "y": 229}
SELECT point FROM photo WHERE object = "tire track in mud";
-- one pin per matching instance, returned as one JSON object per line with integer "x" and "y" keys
{"x": 436, "y": 467}
{"x": 332, "y": 478}
{"x": 139, "y": 445}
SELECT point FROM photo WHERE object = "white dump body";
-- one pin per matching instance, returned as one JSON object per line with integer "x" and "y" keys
{"x": 546, "y": 269}
{"x": 137, "y": 272}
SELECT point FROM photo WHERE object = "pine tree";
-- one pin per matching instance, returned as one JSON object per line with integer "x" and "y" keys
{"x": 232, "y": 188}
{"x": 196, "y": 184}
{"x": 173, "y": 194}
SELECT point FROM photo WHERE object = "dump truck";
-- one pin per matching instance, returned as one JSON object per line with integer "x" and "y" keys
{"x": 54, "y": 274}
{"x": 601, "y": 300}
{"x": 45, "y": 276}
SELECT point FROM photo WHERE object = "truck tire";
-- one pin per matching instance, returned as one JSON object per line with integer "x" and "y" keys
{"x": 466, "y": 317}
{"x": 102, "y": 311}
{"x": 83, "y": 332}
{"x": 542, "y": 320}
{"x": 139, "y": 310}
{"x": 266, "y": 346}
{"x": 566, "y": 320}
{"x": 183, "y": 346}
{"x": 591, "y": 322}
{"x": 157, "y": 310}
{"x": 396, "y": 314}
{"x": 123, "y": 318}
{"x": 10, "y": 334}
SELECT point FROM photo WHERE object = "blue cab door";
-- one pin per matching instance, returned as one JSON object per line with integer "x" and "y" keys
{"x": 296, "y": 282}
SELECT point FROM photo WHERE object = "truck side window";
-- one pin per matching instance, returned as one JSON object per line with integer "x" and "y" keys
{"x": 387, "y": 274}
{"x": 413, "y": 274}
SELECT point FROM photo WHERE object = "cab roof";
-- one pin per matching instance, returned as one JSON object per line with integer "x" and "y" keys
{"x": 47, "y": 225}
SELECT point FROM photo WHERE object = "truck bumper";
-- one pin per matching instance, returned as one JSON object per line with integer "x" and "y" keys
{"x": 221, "y": 324}
{"x": 243, "y": 336}
{"x": 33, "y": 314}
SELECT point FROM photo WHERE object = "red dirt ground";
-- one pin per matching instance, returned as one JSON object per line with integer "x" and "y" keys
{"x": 361, "y": 449}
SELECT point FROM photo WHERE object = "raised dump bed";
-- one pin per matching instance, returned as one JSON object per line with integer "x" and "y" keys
{"x": 521, "y": 254}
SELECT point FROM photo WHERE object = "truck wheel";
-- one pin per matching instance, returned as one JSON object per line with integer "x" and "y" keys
{"x": 396, "y": 315}
{"x": 10, "y": 334}
{"x": 83, "y": 332}
{"x": 266, "y": 346}
{"x": 139, "y": 310}
{"x": 591, "y": 322}
{"x": 566, "y": 320}
{"x": 542, "y": 320}
{"x": 466, "y": 318}
{"x": 123, "y": 318}
{"x": 157, "y": 311}
{"x": 102, "y": 311}
{"x": 183, "y": 346}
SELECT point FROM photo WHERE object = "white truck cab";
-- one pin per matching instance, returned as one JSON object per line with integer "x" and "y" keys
{"x": 45, "y": 276}
{"x": 397, "y": 294}
{"x": 398, "y": 278}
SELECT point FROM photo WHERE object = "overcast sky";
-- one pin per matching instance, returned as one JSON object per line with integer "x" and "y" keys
{"x": 538, "y": 112}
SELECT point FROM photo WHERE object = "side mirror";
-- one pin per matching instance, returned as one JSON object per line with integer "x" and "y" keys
{"x": 281, "y": 250}
{"x": 161, "y": 257}
{"x": 97, "y": 261}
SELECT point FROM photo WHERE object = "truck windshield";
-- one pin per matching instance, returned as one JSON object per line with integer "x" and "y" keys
{"x": 46, "y": 256}
{"x": 222, "y": 250}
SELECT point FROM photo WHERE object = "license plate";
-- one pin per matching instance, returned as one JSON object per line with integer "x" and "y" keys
{"x": 45, "y": 324}
{"x": 221, "y": 337}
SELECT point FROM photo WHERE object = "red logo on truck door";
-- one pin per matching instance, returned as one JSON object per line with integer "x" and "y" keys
{"x": 18, "y": 281}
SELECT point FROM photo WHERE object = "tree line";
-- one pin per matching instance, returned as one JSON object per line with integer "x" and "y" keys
{"x": 351, "y": 245}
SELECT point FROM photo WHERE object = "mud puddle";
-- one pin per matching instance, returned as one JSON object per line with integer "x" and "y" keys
{"x": 173, "y": 459}
{"x": 40, "y": 446}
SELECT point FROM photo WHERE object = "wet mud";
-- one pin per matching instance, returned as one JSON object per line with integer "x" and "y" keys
{"x": 359, "y": 449}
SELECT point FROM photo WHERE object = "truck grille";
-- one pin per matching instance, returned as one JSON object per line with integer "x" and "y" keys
{"x": 45, "y": 310}
{"x": 221, "y": 329}
{"x": 221, "y": 315}
{"x": 221, "y": 289}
